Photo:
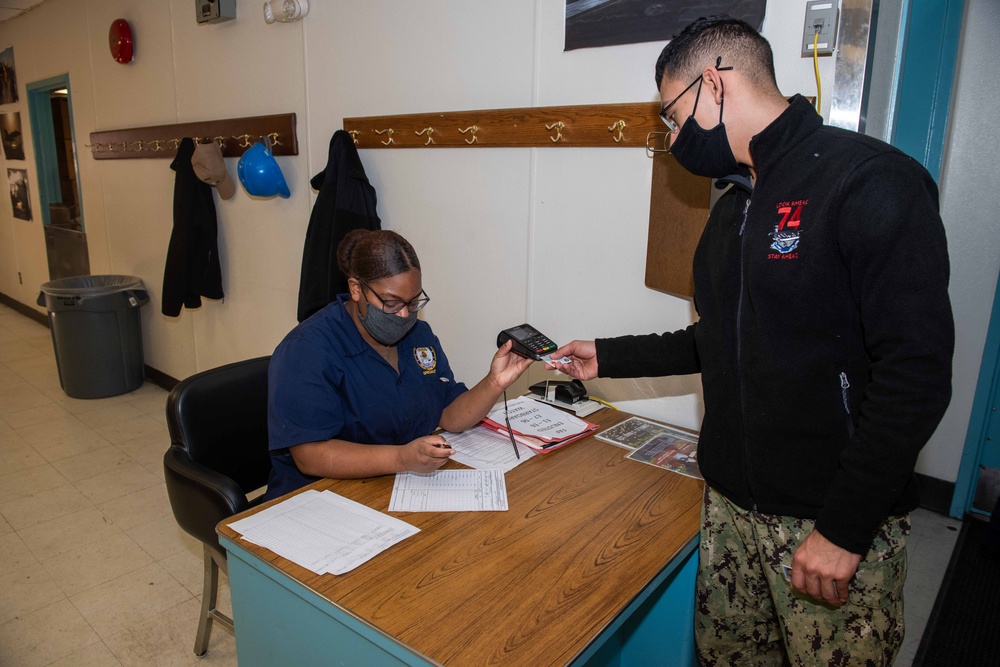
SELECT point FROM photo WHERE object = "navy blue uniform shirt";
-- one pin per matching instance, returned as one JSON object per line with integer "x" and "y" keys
{"x": 325, "y": 382}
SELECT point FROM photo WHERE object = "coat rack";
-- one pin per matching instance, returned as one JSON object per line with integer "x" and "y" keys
{"x": 610, "y": 125}
{"x": 233, "y": 135}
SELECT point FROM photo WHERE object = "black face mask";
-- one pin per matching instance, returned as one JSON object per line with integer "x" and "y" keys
{"x": 704, "y": 152}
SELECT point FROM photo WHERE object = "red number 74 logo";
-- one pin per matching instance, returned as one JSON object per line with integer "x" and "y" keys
{"x": 788, "y": 217}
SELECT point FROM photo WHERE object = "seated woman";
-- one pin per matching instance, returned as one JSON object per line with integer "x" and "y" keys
{"x": 357, "y": 389}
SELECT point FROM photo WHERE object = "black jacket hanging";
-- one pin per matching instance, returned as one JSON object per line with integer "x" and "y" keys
{"x": 346, "y": 202}
{"x": 192, "y": 269}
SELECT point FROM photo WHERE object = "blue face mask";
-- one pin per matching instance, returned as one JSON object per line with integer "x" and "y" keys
{"x": 385, "y": 328}
{"x": 704, "y": 152}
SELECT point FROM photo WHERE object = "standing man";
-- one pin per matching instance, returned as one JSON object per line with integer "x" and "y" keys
{"x": 824, "y": 343}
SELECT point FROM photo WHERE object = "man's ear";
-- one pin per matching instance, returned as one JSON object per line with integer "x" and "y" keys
{"x": 714, "y": 84}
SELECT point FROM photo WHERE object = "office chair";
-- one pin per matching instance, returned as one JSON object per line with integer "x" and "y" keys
{"x": 218, "y": 453}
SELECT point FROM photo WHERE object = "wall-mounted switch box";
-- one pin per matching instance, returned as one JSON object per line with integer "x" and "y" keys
{"x": 821, "y": 17}
{"x": 214, "y": 11}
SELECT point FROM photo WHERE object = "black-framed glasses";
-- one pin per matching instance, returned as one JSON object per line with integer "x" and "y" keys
{"x": 392, "y": 306}
{"x": 672, "y": 124}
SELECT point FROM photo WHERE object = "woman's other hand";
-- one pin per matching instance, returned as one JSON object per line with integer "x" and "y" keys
{"x": 425, "y": 454}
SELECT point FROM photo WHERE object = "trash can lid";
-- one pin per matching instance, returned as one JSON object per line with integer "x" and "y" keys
{"x": 90, "y": 286}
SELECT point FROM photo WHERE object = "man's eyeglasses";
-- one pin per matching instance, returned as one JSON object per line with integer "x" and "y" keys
{"x": 668, "y": 119}
{"x": 392, "y": 306}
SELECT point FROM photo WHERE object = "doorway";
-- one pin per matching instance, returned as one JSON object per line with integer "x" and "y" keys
{"x": 50, "y": 105}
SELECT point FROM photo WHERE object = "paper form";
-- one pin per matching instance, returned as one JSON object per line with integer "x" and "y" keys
{"x": 483, "y": 449}
{"x": 323, "y": 532}
{"x": 539, "y": 420}
{"x": 449, "y": 491}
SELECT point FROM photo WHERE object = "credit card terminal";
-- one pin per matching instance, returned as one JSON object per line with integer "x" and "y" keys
{"x": 528, "y": 342}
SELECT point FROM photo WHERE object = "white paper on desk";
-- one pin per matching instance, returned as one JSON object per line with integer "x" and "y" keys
{"x": 323, "y": 532}
{"x": 539, "y": 420}
{"x": 483, "y": 449}
{"x": 449, "y": 491}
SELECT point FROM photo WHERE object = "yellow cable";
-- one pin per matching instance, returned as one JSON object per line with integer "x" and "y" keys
{"x": 594, "y": 398}
{"x": 819, "y": 88}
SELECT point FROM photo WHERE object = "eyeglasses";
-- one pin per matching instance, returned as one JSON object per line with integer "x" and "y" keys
{"x": 668, "y": 118}
{"x": 392, "y": 306}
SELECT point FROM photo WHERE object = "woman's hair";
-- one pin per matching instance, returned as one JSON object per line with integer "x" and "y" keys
{"x": 372, "y": 255}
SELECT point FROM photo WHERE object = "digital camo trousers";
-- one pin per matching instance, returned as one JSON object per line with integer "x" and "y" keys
{"x": 746, "y": 612}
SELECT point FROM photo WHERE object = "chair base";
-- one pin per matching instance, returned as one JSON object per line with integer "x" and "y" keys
{"x": 214, "y": 561}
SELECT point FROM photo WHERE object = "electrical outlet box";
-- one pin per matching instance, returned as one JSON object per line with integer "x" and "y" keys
{"x": 214, "y": 11}
{"x": 821, "y": 16}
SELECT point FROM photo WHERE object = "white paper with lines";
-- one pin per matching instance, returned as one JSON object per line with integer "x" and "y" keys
{"x": 323, "y": 532}
{"x": 481, "y": 448}
{"x": 449, "y": 491}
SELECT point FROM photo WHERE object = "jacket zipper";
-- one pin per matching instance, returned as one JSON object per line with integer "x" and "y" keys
{"x": 845, "y": 396}
{"x": 739, "y": 358}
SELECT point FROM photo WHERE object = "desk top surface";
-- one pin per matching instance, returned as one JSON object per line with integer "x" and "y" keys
{"x": 586, "y": 531}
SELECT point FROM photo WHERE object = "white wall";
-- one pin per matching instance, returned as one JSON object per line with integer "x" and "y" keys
{"x": 969, "y": 184}
{"x": 554, "y": 237}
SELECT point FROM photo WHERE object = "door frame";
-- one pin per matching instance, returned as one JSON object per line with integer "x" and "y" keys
{"x": 43, "y": 139}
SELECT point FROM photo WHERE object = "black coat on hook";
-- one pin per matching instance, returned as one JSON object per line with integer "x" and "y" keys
{"x": 346, "y": 202}
{"x": 192, "y": 268}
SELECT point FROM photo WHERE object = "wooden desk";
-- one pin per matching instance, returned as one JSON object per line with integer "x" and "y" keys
{"x": 593, "y": 564}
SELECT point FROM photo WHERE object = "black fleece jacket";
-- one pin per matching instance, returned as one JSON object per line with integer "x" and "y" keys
{"x": 825, "y": 331}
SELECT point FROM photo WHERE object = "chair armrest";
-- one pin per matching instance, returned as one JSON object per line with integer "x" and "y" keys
{"x": 199, "y": 496}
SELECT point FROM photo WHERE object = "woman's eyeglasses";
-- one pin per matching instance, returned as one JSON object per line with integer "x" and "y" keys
{"x": 392, "y": 306}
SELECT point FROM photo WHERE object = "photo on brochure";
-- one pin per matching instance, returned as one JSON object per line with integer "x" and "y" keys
{"x": 670, "y": 452}
{"x": 635, "y": 432}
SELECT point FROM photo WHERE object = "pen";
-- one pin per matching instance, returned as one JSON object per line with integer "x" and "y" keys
{"x": 510, "y": 431}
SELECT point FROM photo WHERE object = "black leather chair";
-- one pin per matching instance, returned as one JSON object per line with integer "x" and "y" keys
{"x": 218, "y": 454}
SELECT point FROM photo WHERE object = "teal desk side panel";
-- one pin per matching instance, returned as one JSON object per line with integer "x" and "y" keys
{"x": 658, "y": 629}
{"x": 279, "y": 622}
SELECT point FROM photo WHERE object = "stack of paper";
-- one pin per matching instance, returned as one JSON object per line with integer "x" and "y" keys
{"x": 537, "y": 425}
{"x": 323, "y": 532}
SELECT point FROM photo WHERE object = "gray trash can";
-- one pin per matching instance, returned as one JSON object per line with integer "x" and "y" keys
{"x": 96, "y": 333}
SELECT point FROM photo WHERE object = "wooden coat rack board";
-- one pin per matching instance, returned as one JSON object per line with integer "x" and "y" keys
{"x": 234, "y": 136}
{"x": 679, "y": 202}
{"x": 610, "y": 125}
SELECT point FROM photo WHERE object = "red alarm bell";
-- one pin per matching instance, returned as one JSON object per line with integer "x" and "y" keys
{"x": 120, "y": 39}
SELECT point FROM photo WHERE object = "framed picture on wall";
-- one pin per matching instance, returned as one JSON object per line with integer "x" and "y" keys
{"x": 19, "y": 200}
{"x": 591, "y": 23}
{"x": 8, "y": 80}
{"x": 10, "y": 133}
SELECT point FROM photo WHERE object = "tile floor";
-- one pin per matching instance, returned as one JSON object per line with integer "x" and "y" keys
{"x": 94, "y": 571}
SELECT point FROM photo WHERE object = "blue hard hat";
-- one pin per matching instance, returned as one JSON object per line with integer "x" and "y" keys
{"x": 260, "y": 174}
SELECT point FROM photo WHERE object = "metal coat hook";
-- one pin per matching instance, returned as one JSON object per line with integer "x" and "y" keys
{"x": 429, "y": 131}
{"x": 472, "y": 128}
{"x": 651, "y": 149}
{"x": 246, "y": 140}
{"x": 389, "y": 131}
{"x": 274, "y": 139}
{"x": 619, "y": 126}
{"x": 221, "y": 141}
{"x": 354, "y": 135}
{"x": 177, "y": 142}
{"x": 99, "y": 147}
{"x": 558, "y": 126}
{"x": 155, "y": 143}
{"x": 139, "y": 142}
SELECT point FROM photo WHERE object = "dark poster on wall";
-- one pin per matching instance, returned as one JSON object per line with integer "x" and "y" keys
{"x": 8, "y": 79}
{"x": 10, "y": 131}
{"x": 607, "y": 22}
{"x": 18, "y": 180}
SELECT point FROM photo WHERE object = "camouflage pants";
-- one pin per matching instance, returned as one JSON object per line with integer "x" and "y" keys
{"x": 746, "y": 612}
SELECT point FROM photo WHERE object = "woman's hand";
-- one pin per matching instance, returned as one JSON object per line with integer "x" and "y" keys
{"x": 582, "y": 356}
{"x": 425, "y": 454}
{"x": 507, "y": 366}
